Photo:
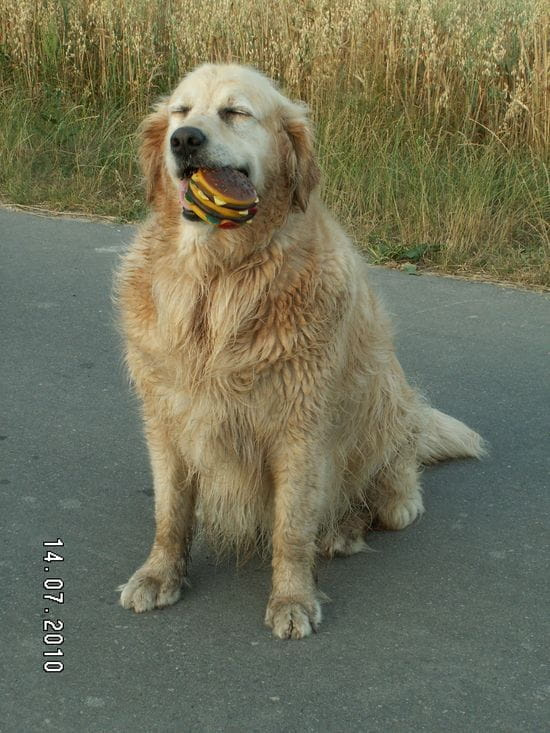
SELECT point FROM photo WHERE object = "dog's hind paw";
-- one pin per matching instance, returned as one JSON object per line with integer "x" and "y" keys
{"x": 401, "y": 513}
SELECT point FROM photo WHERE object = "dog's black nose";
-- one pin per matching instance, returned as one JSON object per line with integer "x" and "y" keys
{"x": 187, "y": 140}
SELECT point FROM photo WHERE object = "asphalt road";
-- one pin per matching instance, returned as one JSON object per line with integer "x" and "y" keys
{"x": 444, "y": 626}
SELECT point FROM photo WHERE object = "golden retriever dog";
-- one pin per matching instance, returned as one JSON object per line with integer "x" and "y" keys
{"x": 276, "y": 413}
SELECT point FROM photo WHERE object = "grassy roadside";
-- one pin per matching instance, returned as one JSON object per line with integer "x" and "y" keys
{"x": 432, "y": 117}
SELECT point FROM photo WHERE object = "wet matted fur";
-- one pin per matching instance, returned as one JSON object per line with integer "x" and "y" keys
{"x": 275, "y": 410}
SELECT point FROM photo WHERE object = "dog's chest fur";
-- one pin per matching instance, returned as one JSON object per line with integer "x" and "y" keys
{"x": 216, "y": 348}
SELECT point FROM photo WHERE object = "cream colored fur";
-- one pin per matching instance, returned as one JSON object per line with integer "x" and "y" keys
{"x": 274, "y": 406}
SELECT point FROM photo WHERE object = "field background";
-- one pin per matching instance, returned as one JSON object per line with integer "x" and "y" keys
{"x": 432, "y": 115}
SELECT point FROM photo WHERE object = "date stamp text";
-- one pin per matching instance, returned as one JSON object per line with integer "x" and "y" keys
{"x": 53, "y": 596}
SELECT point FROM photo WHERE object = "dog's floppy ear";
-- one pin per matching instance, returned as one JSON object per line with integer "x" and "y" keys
{"x": 151, "y": 155}
{"x": 302, "y": 167}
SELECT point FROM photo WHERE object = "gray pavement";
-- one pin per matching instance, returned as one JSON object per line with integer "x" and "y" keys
{"x": 444, "y": 626}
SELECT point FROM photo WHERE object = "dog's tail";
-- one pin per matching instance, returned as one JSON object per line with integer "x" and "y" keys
{"x": 442, "y": 436}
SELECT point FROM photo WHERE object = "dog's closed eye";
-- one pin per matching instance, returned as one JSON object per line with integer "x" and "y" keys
{"x": 231, "y": 113}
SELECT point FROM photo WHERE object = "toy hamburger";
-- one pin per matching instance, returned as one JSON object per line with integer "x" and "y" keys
{"x": 224, "y": 197}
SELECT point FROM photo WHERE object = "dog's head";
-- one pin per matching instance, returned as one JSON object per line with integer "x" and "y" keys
{"x": 228, "y": 115}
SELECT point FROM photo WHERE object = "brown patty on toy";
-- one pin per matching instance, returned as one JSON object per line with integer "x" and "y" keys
{"x": 221, "y": 196}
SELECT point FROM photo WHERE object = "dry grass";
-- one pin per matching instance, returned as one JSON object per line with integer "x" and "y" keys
{"x": 432, "y": 114}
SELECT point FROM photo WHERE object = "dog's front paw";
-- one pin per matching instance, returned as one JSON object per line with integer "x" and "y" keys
{"x": 293, "y": 618}
{"x": 148, "y": 589}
